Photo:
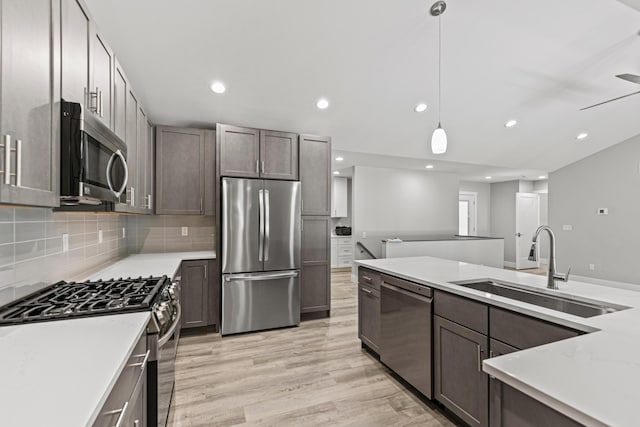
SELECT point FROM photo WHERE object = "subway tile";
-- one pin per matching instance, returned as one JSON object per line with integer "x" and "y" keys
{"x": 56, "y": 228}
{"x": 90, "y": 251}
{"x": 29, "y": 231}
{"x": 53, "y": 245}
{"x": 152, "y": 245}
{"x": 6, "y": 232}
{"x": 76, "y": 241}
{"x": 75, "y": 227}
{"x": 7, "y": 214}
{"x": 60, "y": 216}
{"x": 7, "y": 254}
{"x": 90, "y": 226}
{"x": 30, "y": 214}
{"x": 29, "y": 250}
{"x": 91, "y": 238}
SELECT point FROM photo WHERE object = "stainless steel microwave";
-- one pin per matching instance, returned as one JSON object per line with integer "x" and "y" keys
{"x": 93, "y": 160}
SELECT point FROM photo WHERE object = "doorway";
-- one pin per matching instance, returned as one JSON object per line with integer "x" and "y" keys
{"x": 527, "y": 221}
{"x": 467, "y": 213}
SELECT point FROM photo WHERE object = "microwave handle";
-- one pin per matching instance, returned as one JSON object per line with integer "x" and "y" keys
{"x": 126, "y": 173}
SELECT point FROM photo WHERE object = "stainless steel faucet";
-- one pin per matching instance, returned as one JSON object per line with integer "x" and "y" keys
{"x": 552, "y": 277}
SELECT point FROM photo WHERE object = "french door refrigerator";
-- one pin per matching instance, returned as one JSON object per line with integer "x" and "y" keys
{"x": 260, "y": 254}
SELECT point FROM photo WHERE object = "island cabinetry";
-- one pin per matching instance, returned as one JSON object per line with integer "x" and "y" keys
{"x": 369, "y": 308}
{"x": 460, "y": 345}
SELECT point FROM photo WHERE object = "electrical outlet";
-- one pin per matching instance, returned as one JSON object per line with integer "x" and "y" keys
{"x": 100, "y": 237}
{"x": 592, "y": 267}
{"x": 603, "y": 211}
{"x": 124, "y": 232}
{"x": 567, "y": 227}
{"x": 65, "y": 243}
{"x": 185, "y": 231}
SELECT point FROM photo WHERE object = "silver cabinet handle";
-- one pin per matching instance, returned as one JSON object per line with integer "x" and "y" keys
{"x": 366, "y": 290}
{"x": 121, "y": 411}
{"x": 257, "y": 166}
{"x": 261, "y": 224}
{"x": 149, "y": 199}
{"x": 205, "y": 271}
{"x": 201, "y": 206}
{"x": 19, "y": 163}
{"x": 479, "y": 358}
{"x": 100, "y": 105}
{"x": 367, "y": 278}
{"x": 93, "y": 96}
{"x": 133, "y": 197}
{"x": 267, "y": 233}
{"x": 7, "y": 159}
{"x": 144, "y": 361}
{"x": 136, "y": 423}
{"x": 262, "y": 166}
{"x": 491, "y": 354}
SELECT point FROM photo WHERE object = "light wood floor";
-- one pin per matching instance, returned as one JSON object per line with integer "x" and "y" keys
{"x": 312, "y": 375}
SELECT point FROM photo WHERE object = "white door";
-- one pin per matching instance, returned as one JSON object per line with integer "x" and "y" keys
{"x": 467, "y": 214}
{"x": 527, "y": 221}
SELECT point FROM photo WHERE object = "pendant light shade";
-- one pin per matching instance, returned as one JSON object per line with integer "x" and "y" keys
{"x": 439, "y": 137}
{"x": 439, "y": 141}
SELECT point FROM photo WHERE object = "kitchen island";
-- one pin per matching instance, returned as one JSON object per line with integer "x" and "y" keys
{"x": 591, "y": 378}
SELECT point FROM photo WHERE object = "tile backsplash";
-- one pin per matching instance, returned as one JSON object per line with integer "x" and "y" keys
{"x": 31, "y": 247}
{"x": 163, "y": 233}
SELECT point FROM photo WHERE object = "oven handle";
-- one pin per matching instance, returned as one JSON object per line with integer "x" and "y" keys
{"x": 126, "y": 173}
{"x": 165, "y": 338}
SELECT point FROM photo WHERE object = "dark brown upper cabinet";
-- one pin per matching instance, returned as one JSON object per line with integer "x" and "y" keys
{"x": 253, "y": 153}
{"x": 315, "y": 174}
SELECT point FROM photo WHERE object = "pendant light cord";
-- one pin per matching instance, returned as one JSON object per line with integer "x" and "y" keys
{"x": 439, "y": 68}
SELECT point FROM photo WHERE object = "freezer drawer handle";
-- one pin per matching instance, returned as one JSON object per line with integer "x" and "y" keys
{"x": 262, "y": 277}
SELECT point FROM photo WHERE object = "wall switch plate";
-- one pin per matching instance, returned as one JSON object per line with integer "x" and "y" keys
{"x": 364, "y": 234}
{"x": 185, "y": 231}
{"x": 65, "y": 243}
{"x": 603, "y": 211}
{"x": 592, "y": 267}
{"x": 124, "y": 232}
{"x": 100, "y": 237}
{"x": 567, "y": 227}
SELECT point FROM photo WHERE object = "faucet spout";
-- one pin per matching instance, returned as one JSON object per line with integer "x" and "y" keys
{"x": 553, "y": 277}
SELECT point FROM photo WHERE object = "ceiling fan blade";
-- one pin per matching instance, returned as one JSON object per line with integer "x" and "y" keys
{"x": 610, "y": 100}
{"x": 630, "y": 78}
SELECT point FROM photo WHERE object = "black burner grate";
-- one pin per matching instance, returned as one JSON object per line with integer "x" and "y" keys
{"x": 64, "y": 300}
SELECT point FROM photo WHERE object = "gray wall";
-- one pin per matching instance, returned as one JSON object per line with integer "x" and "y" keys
{"x": 503, "y": 215}
{"x": 402, "y": 203}
{"x": 608, "y": 179}
{"x": 31, "y": 255}
{"x": 162, "y": 233}
{"x": 484, "y": 204}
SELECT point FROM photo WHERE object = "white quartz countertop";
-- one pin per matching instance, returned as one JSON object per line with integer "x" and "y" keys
{"x": 593, "y": 378}
{"x": 137, "y": 265}
{"x": 60, "y": 373}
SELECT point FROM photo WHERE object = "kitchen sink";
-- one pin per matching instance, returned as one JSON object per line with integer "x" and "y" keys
{"x": 576, "y": 306}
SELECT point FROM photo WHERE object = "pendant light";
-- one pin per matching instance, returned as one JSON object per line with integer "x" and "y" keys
{"x": 439, "y": 137}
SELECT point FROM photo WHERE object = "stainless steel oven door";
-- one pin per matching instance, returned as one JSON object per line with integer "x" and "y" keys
{"x": 167, "y": 350}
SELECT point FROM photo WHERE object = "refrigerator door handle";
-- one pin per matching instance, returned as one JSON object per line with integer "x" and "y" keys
{"x": 267, "y": 212}
{"x": 261, "y": 226}
{"x": 232, "y": 277}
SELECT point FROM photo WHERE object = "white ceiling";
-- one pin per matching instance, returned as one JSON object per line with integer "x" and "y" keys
{"x": 538, "y": 62}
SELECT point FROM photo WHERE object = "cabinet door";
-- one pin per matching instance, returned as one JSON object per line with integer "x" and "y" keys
{"x": 194, "y": 293}
{"x": 334, "y": 252}
{"x": 315, "y": 278}
{"x": 239, "y": 151}
{"x": 461, "y": 385}
{"x": 149, "y": 169}
{"x": 315, "y": 174}
{"x": 278, "y": 155}
{"x": 120, "y": 90}
{"x": 131, "y": 138}
{"x": 339, "y": 199}
{"x": 141, "y": 157}
{"x": 179, "y": 171}
{"x": 29, "y": 102}
{"x": 209, "y": 172}
{"x": 369, "y": 316}
{"x": 75, "y": 31}
{"x": 102, "y": 70}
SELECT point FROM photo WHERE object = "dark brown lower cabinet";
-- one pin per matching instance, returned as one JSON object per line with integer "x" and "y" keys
{"x": 200, "y": 293}
{"x": 460, "y": 384}
{"x": 369, "y": 316}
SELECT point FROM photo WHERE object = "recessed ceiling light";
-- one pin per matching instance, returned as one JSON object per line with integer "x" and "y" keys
{"x": 420, "y": 107}
{"x": 322, "y": 103}
{"x": 542, "y": 177}
{"x": 511, "y": 123}
{"x": 218, "y": 87}
{"x": 487, "y": 177}
{"x": 429, "y": 166}
{"x": 582, "y": 135}
{"x": 336, "y": 172}
{"x": 339, "y": 159}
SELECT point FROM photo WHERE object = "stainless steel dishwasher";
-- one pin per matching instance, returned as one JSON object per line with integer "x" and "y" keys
{"x": 405, "y": 331}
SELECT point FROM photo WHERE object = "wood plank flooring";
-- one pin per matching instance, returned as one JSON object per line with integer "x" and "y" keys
{"x": 312, "y": 375}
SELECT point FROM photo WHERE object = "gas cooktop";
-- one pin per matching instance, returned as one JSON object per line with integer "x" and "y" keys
{"x": 64, "y": 300}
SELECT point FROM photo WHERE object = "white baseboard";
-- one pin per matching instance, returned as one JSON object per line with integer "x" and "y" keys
{"x": 544, "y": 261}
{"x": 603, "y": 282}
{"x": 510, "y": 264}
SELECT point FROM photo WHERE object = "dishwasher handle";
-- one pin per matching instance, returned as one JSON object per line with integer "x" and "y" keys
{"x": 407, "y": 293}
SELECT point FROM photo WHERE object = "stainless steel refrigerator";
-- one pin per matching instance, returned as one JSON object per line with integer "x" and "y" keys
{"x": 260, "y": 254}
